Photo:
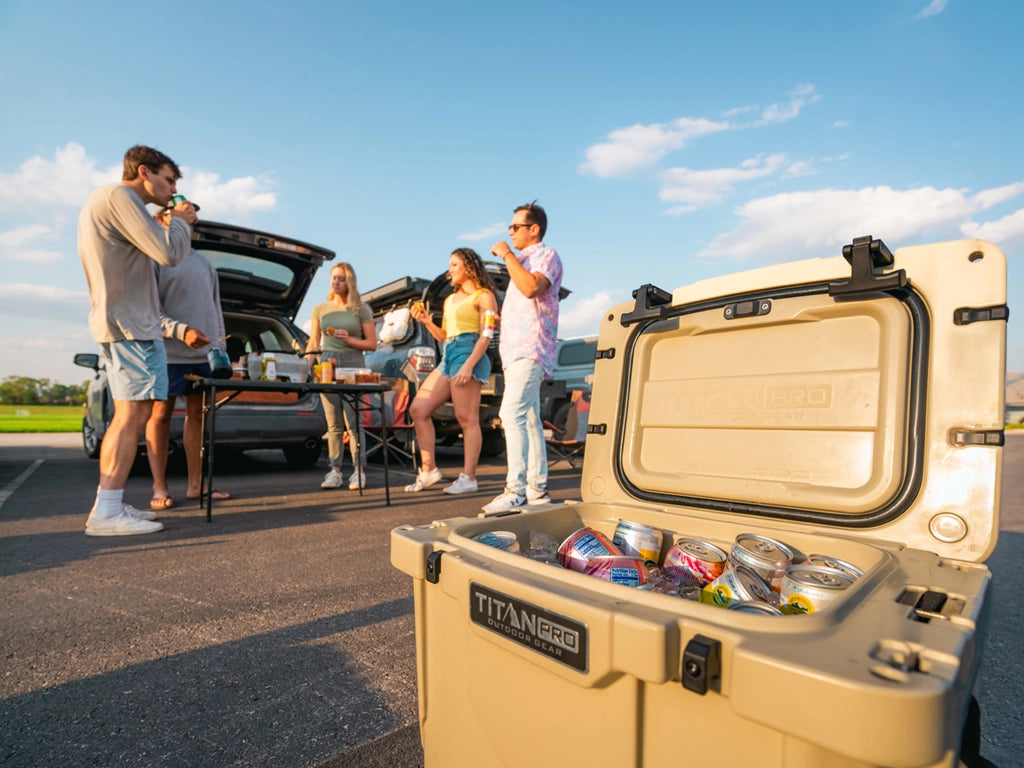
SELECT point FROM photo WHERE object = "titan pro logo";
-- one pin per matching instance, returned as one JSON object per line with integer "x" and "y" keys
{"x": 559, "y": 637}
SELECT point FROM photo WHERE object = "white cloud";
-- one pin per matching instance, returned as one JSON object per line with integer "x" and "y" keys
{"x": 581, "y": 315}
{"x": 642, "y": 146}
{"x": 695, "y": 189}
{"x": 782, "y": 112}
{"x": 40, "y": 184}
{"x": 15, "y": 238}
{"x": 494, "y": 230}
{"x": 34, "y": 256}
{"x": 1001, "y": 231}
{"x": 818, "y": 223}
{"x": 232, "y": 198}
{"x": 66, "y": 180}
{"x": 934, "y": 8}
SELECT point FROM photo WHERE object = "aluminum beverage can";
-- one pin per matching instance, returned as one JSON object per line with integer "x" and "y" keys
{"x": 638, "y": 540}
{"x": 736, "y": 584}
{"x": 768, "y": 558}
{"x": 827, "y": 561}
{"x": 490, "y": 321}
{"x": 755, "y": 606}
{"x": 809, "y": 588}
{"x": 505, "y": 540}
{"x": 577, "y": 550}
{"x": 618, "y": 569}
{"x": 695, "y": 562}
{"x": 176, "y": 200}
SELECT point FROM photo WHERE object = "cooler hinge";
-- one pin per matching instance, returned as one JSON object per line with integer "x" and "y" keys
{"x": 702, "y": 664}
{"x": 650, "y": 304}
{"x": 597, "y": 429}
{"x": 968, "y": 315}
{"x": 868, "y": 258}
{"x": 605, "y": 354}
{"x": 433, "y": 569}
{"x": 959, "y": 436}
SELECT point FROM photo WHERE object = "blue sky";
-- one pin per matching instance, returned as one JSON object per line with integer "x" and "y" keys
{"x": 669, "y": 142}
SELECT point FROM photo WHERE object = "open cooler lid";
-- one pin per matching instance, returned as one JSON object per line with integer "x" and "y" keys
{"x": 861, "y": 393}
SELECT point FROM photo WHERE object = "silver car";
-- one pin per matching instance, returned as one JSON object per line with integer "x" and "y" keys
{"x": 263, "y": 280}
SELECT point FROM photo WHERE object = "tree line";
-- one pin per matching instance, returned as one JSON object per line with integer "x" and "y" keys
{"x": 23, "y": 390}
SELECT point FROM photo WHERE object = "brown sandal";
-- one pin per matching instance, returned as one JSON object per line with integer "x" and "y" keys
{"x": 161, "y": 502}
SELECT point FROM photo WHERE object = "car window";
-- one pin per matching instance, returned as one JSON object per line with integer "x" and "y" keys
{"x": 577, "y": 354}
{"x": 257, "y": 272}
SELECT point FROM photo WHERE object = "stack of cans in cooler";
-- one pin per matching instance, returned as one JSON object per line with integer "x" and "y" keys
{"x": 757, "y": 574}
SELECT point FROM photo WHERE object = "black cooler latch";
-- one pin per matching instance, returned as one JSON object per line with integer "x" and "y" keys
{"x": 433, "y": 569}
{"x": 650, "y": 304}
{"x": 868, "y": 258}
{"x": 702, "y": 664}
{"x": 968, "y": 315}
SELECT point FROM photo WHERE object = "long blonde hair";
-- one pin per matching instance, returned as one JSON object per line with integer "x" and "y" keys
{"x": 351, "y": 289}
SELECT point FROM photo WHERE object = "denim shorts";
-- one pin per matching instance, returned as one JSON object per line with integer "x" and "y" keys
{"x": 136, "y": 370}
{"x": 177, "y": 384}
{"x": 457, "y": 351}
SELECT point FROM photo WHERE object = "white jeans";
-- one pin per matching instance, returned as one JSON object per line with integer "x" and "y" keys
{"x": 525, "y": 449}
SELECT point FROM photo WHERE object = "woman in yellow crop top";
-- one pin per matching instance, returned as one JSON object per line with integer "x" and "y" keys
{"x": 464, "y": 368}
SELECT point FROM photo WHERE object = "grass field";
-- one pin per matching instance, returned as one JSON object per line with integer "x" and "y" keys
{"x": 41, "y": 418}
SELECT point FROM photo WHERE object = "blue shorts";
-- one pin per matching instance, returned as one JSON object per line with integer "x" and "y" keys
{"x": 457, "y": 350}
{"x": 136, "y": 370}
{"x": 177, "y": 384}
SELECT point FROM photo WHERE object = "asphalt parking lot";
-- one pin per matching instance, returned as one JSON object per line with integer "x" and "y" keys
{"x": 279, "y": 634}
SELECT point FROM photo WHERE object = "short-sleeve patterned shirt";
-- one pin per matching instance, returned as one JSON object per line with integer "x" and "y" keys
{"x": 529, "y": 327}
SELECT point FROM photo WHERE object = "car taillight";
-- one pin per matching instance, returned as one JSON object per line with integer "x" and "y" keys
{"x": 423, "y": 358}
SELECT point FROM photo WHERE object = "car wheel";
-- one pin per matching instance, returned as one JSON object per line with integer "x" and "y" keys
{"x": 91, "y": 442}
{"x": 493, "y": 443}
{"x": 304, "y": 455}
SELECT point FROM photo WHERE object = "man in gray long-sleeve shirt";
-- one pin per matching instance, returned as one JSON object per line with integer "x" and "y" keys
{"x": 119, "y": 241}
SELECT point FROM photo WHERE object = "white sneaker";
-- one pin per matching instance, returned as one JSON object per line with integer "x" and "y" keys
{"x": 332, "y": 479}
{"x": 357, "y": 481}
{"x": 462, "y": 485}
{"x": 425, "y": 480}
{"x": 124, "y": 524}
{"x": 535, "y": 498}
{"x": 141, "y": 514}
{"x": 508, "y": 500}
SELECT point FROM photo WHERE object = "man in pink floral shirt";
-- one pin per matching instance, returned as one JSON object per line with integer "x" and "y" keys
{"x": 529, "y": 330}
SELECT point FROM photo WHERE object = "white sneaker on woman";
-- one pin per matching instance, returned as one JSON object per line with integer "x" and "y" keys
{"x": 462, "y": 485}
{"x": 357, "y": 481}
{"x": 332, "y": 479}
{"x": 425, "y": 480}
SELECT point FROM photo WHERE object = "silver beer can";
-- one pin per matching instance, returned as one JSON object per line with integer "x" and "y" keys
{"x": 810, "y": 588}
{"x": 638, "y": 540}
{"x": 768, "y": 558}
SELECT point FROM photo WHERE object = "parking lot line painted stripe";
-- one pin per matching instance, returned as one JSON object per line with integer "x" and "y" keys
{"x": 16, "y": 482}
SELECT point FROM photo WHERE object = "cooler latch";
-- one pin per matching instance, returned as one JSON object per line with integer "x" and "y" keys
{"x": 597, "y": 429}
{"x": 651, "y": 303}
{"x": 702, "y": 664}
{"x": 968, "y": 315}
{"x": 959, "y": 436}
{"x": 433, "y": 567}
{"x": 868, "y": 258}
{"x": 605, "y": 354}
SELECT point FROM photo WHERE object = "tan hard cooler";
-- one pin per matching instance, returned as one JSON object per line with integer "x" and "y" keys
{"x": 851, "y": 406}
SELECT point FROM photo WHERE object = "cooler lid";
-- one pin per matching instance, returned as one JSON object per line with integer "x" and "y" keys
{"x": 862, "y": 392}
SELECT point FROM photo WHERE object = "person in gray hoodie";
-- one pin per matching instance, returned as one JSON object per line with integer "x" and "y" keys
{"x": 118, "y": 242}
{"x": 192, "y": 322}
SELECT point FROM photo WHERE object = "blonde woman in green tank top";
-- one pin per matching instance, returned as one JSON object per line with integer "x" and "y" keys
{"x": 464, "y": 369}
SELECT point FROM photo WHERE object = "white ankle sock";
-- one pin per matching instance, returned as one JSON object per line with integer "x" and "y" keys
{"x": 108, "y": 503}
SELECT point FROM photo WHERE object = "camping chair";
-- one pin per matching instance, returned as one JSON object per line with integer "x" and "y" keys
{"x": 569, "y": 444}
{"x": 402, "y": 445}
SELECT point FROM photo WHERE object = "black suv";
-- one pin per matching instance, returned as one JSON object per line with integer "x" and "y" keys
{"x": 415, "y": 353}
